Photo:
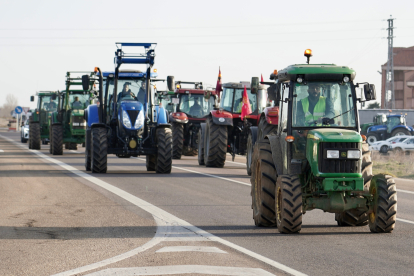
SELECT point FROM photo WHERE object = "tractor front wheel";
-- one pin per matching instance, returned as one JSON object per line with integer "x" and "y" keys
{"x": 99, "y": 150}
{"x": 35, "y": 136}
{"x": 384, "y": 215}
{"x": 215, "y": 144}
{"x": 57, "y": 140}
{"x": 372, "y": 138}
{"x": 88, "y": 144}
{"x": 249, "y": 153}
{"x": 264, "y": 128}
{"x": 288, "y": 204}
{"x": 150, "y": 162}
{"x": 263, "y": 182}
{"x": 164, "y": 155}
{"x": 178, "y": 140}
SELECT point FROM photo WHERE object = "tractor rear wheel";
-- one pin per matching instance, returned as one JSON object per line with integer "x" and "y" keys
{"x": 50, "y": 140}
{"x": 178, "y": 140}
{"x": 150, "y": 162}
{"x": 289, "y": 204}
{"x": 372, "y": 138}
{"x": 355, "y": 217}
{"x": 99, "y": 150}
{"x": 35, "y": 136}
{"x": 399, "y": 132}
{"x": 249, "y": 153}
{"x": 263, "y": 182}
{"x": 164, "y": 155}
{"x": 384, "y": 215}
{"x": 215, "y": 144}
{"x": 30, "y": 135}
{"x": 200, "y": 147}
{"x": 264, "y": 128}
{"x": 88, "y": 150}
{"x": 57, "y": 138}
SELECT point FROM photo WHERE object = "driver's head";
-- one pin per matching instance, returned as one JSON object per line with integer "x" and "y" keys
{"x": 126, "y": 87}
{"x": 314, "y": 91}
{"x": 76, "y": 99}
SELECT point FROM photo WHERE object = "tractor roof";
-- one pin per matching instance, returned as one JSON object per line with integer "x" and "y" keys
{"x": 193, "y": 91}
{"x": 127, "y": 73}
{"x": 46, "y": 93}
{"x": 316, "y": 72}
{"x": 241, "y": 85}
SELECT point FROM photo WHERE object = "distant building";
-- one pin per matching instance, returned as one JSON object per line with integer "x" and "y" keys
{"x": 403, "y": 78}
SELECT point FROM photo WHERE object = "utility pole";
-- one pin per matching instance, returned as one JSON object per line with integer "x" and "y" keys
{"x": 389, "y": 77}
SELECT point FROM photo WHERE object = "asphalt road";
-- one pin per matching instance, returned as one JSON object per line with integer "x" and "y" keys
{"x": 56, "y": 218}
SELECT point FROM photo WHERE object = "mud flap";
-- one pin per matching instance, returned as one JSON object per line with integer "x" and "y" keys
{"x": 276, "y": 153}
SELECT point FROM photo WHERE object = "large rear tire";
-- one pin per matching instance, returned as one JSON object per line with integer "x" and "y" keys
{"x": 215, "y": 144}
{"x": 372, "y": 138}
{"x": 178, "y": 140}
{"x": 249, "y": 152}
{"x": 99, "y": 150}
{"x": 289, "y": 204}
{"x": 200, "y": 147}
{"x": 384, "y": 215}
{"x": 51, "y": 140}
{"x": 35, "y": 136}
{"x": 88, "y": 144}
{"x": 264, "y": 128}
{"x": 263, "y": 182}
{"x": 355, "y": 217}
{"x": 164, "y": 155}
{"x": 57, "y": 138}
{"x": 399, "y": 132}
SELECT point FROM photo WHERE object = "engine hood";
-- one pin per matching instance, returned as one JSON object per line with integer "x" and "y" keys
{"x": 131, "y": 105}
{"x": 335, "y": 135}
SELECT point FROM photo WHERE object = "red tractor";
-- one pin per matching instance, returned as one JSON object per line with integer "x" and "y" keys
{"x": 224, "y": 131}
{"x": 191, "y": 109}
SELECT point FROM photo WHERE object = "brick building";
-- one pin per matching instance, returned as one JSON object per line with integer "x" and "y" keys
{"x": 403, "y": 79}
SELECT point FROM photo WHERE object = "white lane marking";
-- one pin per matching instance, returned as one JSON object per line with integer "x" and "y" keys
{"x": 208, "y": 249}
{"x": 160, "y": 214}
{"x": 206, "y": 174}
{"x": 406, "y": 221}
{"x": 241, "y": 164}
{"x": 183, "y": 269}
{"x": 1, "y": 150}
{"x": 405, "y": 191}
{"x": 74, "y": 151}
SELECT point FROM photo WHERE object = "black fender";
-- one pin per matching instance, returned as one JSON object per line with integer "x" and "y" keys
{"x": 203, "y": 131}
{"x": 222, "y": 121}
{"x": 167, "y": 125}
{"x": 95, "y": 125}
{"x": 277, "y": 153}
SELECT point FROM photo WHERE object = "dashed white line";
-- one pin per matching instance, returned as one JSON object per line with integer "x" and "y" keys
{"x": 405, "y": 191}
{"x": 208, "y": 249}
{"x": 406, "y": 221}
{"x": 183, "y": 269}
{"x": 1, "y": 150}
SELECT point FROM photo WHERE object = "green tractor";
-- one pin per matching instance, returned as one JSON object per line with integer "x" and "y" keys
{"x": 67, "y": 124}
{"x": 39, "y": 120}
{"x": 318, "y": 159}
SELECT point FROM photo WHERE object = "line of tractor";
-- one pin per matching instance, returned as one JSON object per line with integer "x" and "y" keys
{"x": 300, "y": 133}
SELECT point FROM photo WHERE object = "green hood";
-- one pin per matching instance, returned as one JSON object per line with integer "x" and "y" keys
{"x": 335, "y": 135}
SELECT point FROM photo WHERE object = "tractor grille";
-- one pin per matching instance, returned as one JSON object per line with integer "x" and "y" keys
{"x": 342, "y": 165}
{"x": 78, "y": 122}
{"x": 133, "y": 114}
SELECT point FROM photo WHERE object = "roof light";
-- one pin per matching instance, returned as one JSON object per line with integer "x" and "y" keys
{"x": 346, "y": 79}
{"x": 289, "y": 139}
{"x": 364, "y": 138}
{"x": 96, "y": 70}
{"x": 275, "y": 72}
{"x": 178, "y": 86}
{"x": 155, "y": 70}
{"x": 299, "y": 80}
{"x": 308, "y": 53}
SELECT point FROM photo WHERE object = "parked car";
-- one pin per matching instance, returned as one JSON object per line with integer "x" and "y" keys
{"x": 24, "y": 133}
{"x": 383, "y": 146}
{"x": 406, "y": 146}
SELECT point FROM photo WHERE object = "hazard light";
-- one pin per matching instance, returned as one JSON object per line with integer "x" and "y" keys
{"x": 289, "y": 139}
{"x": 308, "y": 53}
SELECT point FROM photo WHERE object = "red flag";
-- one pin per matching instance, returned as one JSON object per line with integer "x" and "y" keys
{"x": 246, "y": 109}
{"x": 261, "y": 79}
{"x": 218, "y": 85}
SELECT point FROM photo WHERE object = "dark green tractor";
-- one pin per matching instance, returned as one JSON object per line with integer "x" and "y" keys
{"x": 47, "y": 103}
{"x": 67, "y": 124}
{"x": 318, "y": 159}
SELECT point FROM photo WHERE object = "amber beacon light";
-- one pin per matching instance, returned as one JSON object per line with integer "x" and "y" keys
{"x": 308, "y": 54}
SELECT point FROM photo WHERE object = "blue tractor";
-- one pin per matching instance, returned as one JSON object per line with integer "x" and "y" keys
{"x": 126, "y": 121}
{"x": 386, "y": 126}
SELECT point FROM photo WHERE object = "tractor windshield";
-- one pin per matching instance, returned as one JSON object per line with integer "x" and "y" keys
{"x": 323, "y": 104}
{"x": 195, "y": 105}
{"x": 77, "y": 101}
{"x": 131, "y": 89}
{"x": 166, "y": 102}
{"x": 232, "y": 100}
{"x": 47, "y": 103}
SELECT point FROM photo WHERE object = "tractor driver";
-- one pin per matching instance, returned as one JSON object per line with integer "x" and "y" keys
{"x": 52, "y": 105}
{"x": 142, "y": 92}
{"x": 196, "y": 109}
{"x": 77, "y": 104}
{"x": 313, "y": 107}
{"x": 126, "y": 92}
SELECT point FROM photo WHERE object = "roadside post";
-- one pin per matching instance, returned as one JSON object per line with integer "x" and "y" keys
{"x": 18, "y": 111}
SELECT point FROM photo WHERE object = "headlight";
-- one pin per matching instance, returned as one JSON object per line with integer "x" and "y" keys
{"x": 125, "y": 119}
{"x": 140, "y": 119}
{"x": 75, "y": 124}
{"x": 354, "y": 154}
{"x": 332, "y": 154}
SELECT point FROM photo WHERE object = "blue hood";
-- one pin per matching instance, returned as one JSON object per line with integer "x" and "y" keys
{"x": 133, "y": 110}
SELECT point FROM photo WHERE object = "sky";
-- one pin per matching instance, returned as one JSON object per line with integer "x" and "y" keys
{"x": 41, "y": 40}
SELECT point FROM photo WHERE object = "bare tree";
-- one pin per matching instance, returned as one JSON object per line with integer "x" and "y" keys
{"x": 11, "y": 103}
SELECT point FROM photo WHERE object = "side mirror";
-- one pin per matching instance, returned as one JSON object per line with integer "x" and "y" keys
{"x": 32, "y": 98}
{"x": 254, "y": 85}
{"x": 207, "y": 95}
{"x": 369, "y": 91}
{"x": 170, "y": 83}
{"x": 85, "y": 82}
{"x": 54, "y": 97}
